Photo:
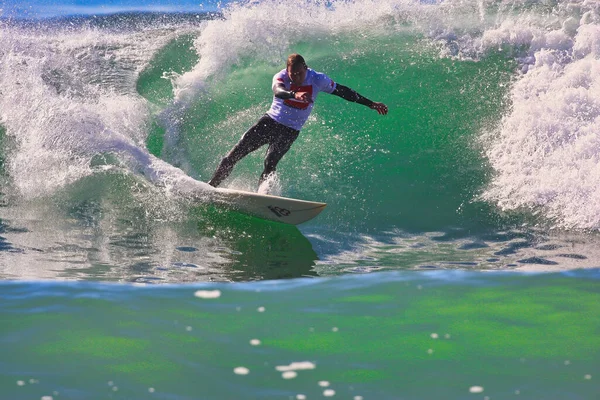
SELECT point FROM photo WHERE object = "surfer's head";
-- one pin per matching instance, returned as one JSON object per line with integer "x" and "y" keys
{"x": 296, "y": 68}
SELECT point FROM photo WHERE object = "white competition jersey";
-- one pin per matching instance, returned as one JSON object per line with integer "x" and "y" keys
{"x": 293, "y": 113}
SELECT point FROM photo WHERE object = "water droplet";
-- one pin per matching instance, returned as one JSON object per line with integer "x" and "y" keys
{"x": 255, "y": 342}
{"x": 329, "y": 393}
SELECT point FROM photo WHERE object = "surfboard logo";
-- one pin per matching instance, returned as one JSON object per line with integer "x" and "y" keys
{"x": 280, "y": 212}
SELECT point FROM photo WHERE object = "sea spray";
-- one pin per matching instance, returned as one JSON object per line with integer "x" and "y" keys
{"x": 68, "y": 96}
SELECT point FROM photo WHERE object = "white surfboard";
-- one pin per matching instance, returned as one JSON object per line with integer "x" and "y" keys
{"x": 273, "y": 208}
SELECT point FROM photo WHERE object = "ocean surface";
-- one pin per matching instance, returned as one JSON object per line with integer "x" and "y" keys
{"x": 458, "y": 256}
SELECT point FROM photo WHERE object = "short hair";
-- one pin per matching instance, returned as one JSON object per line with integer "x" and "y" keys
{"x": 295, "y": 60}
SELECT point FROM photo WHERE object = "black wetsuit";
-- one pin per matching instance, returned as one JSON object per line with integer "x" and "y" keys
{"x": 279, "y": 137}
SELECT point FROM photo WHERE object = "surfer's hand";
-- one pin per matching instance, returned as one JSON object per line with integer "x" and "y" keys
{"x": 380, "y": 108}
{"x": 303, "y": 96}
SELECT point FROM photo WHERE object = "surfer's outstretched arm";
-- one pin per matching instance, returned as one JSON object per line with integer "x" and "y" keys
{"x": 350, "y": 95}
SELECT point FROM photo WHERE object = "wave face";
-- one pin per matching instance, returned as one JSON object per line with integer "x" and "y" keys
{"x": 490, "y": 143}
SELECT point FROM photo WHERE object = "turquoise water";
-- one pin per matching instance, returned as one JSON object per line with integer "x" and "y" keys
{"x": 457, "y": 256}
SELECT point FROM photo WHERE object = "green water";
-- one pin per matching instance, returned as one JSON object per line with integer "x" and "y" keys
{"x": 402, "y": 335}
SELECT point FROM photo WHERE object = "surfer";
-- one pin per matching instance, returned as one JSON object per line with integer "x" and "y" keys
{"x": 295, "y": 89}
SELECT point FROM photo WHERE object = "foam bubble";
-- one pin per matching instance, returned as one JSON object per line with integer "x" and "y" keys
{"x": 297, "y": 366}
{"x": 241, "y": 371}
{"x": 289, "y": 374}
{"x": 208, "y": 294}
{"x": 476, "y": 389}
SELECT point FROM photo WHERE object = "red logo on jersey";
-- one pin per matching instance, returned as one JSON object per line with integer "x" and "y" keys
{"x": 299, "y": 104}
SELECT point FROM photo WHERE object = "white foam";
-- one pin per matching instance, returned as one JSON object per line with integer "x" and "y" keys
{"x": 547, "y": 151}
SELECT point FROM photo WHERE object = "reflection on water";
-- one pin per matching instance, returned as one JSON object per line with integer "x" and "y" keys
{"x": 90, "y": 243}
{"x": 111, "y": 228}
{"x": 521, "y": 249}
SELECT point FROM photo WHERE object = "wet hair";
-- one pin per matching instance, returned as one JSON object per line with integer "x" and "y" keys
{"x": 295, "y": 60}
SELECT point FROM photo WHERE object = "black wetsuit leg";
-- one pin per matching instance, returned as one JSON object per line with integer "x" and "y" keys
{"x": 255, "y": 137}
{"x": 282, "y": 139}
{"x": 266, "y": 130}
